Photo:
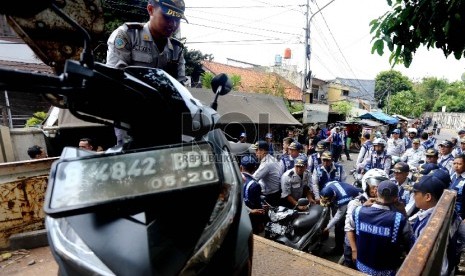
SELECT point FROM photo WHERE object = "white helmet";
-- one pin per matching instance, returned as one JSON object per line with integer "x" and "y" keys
{"x": 373, "y": 177}
{"x": 412, "y": 130}
{"x": 379, "y": 141}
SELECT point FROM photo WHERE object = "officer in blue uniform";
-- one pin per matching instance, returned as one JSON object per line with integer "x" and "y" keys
{"x": 338, "y": 194}
{"x": 326, "y": 172}
{"x": 287, "y": 161}
{"x": 382, "y": 233}
{"x": 401, "y": 171}
{"x": 458, "y": 182}
{"x": 314, "y": 160}
{"x": 252, "y": 192}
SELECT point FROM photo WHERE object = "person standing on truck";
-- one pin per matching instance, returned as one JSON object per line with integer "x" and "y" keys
{"x": 150, "y": 44}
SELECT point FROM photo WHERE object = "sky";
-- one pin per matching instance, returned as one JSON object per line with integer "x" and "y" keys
{"x": 255, "y": 31}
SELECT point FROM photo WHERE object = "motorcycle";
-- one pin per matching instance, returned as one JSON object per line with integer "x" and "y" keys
{"x": 129, "y": 210}
{"x": 301, "y": 230}
{"x": 357, "y": 178}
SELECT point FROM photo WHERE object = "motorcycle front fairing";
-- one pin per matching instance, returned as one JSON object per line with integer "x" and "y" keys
{"x": 180, "y": 231}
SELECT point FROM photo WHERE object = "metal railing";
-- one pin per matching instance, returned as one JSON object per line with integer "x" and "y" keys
{"x": 426, "y": 256}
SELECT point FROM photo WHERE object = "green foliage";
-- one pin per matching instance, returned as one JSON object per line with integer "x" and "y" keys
{"x": 206, "y": 79}
{"x": 343, "y": 107}
{"x": 406, "y": 103}
{"x": 453, "y": 98}
{"x": 236, "y": 81}
{"x": 410, "y": 24}
{"x": 294, "y": 106}
{"x": 194, "y": 60}
{"x": 430, "y": 89}
{"x": 389, "y": 83}
{"x": 36, "y": 119}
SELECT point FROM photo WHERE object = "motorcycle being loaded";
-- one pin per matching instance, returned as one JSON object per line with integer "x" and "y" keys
{"x": 166, "y": 204}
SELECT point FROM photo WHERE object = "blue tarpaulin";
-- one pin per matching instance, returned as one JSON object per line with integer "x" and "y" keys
{"x": 380, "y": 116}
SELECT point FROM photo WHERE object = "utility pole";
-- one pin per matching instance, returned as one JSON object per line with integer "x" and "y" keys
{"x": 307, "y": 94}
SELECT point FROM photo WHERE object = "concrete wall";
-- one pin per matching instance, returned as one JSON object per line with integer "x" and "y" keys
{"x": 448, "y": 119}
{"x": 15, "y": 142}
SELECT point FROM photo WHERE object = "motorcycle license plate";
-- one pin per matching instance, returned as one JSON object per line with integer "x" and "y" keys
{"x": 90, "y": 181}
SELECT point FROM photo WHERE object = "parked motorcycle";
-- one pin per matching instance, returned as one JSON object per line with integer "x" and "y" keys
{"x": 297, "y": 229}
{"x": 164, "y": 203}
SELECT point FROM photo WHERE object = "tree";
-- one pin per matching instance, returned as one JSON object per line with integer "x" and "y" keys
{"x": 389, "y": 83}
{"x": 236, "y": 82}
{"x": 206, "y": 79}
{"x": 194, "y": 60}
{"x": 429, "y": 90}
{"x": 431, "y": 23}
{"x": 36, "y": 119}
{"x": 344, "y": 108}
{"x": 406, "y": 103}
{"x": 453, "y": 98}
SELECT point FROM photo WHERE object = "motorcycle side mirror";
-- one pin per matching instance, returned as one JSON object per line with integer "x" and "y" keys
{"x": 221, "y": 85}
{"x": 25, "y": 8}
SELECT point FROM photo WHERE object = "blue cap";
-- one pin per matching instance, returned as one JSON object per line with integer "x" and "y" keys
{"x": 243, "y": 134}
{"x": 427, "y": 168}
{"x": 430, "y": 184}
{"x": 248, "y": 160}
{"x": 269, "y": 135}
{"x": 327, "y": 192}
{"x": 387, "y": 188}
{"x": 397, "y": 131}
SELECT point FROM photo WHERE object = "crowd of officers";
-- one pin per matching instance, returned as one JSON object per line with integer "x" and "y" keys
{"x": 376, "y": 225}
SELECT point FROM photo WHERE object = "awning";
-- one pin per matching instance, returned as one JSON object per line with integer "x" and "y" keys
{"x": 403, "y": 118}
{"x": 380, "y": 116}
{"x": 363, "y": 122}
{"x": 254, "y": 108}
{"x": 234, "y": 107}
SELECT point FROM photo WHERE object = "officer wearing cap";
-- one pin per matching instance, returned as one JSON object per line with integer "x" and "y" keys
{"x": 252, "y": 192}
{"x": 269, "y": 140}
{"x": 414, "y": 155}
{"x": 326, "y": 172}
{"x": 338, "y": 195}
{"x": 431, "y": 137}
{"x": 243, "y": 138}
{"x": 267, "y": 173}
{"x": 314, "y": 160}
{"x": 401, "y": 172}
{"x": 295, "y": 184}
{"x": 431, "y": 156}
{"x": 287, "y": 161}
{"x": 395, "y": 145}
{"x": 412, "y": 134}
{"x": 427, "y": 193}
{"x": 446, "y": 159}
{"x": 150, "y": 44}
{"x": 382, "y": 232}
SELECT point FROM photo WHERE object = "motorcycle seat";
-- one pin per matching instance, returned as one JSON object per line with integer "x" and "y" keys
{"x": 306, "y": 221}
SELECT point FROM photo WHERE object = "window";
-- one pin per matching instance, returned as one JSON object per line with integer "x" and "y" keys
{"x": 315, "y": 93}
{"x": 345, "y": 93}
